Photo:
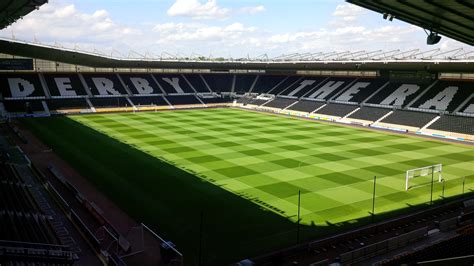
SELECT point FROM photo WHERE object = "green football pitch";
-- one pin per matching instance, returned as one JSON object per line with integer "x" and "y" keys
{"x": 243, "y": 170}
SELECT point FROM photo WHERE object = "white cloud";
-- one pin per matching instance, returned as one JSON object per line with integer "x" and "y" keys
{"x": 348, "y": 12}
{"x": 252, "y": 10}
{"x": 62, "y": 23}
{"x": 197, "y": 10}
{"x": 180, "y": 32}
{"x": 68, "y": 25}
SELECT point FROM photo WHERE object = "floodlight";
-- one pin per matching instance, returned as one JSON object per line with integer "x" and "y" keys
{"x": 433, "y": 38}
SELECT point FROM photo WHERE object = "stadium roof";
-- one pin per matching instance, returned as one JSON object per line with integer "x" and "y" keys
{"x": 453, "y": 18}
{"x": 12, "y": 10}
{"x": 414, "y": 60}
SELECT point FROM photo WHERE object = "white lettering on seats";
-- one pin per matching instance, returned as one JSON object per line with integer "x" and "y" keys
{"x": 174, "y": 82}
{"x": 442, "y": 100}
{"x": 353, "y": 90}
{"x": 142, "y": 85}
{"x": 303, "y": 84}
{"x": 399, "y": 96}
{"x": 105, "y": 86}
{"x": 326, "y": 89}
{"x": 20, "y": 88}
{"x": 64, "y": 87}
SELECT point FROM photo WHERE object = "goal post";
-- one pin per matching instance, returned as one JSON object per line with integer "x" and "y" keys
{"x": 422, "y": 172}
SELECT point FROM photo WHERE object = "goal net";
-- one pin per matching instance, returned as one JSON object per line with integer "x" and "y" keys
{"x": 421, "y": 176}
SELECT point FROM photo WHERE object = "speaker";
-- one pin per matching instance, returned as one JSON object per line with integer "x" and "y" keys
{"x": 433, "y": 38}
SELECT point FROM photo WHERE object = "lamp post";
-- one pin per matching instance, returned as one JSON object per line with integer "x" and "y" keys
{"x": 432, "y": 180}
{"x": 373, "y": 199}
{"x": 298, "y": 223}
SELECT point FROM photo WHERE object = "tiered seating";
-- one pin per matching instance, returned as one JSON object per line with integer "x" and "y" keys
{"x": 23, "y": 106}
{"x": 280, "y": 103}
{"x": 257, "y": 101}
{"x": 148, "y": 101}
{"x": 219, "y": 82}
{"x": 173, "y": 84}
{"x": 244, "y": 100}
{"x": 468, "y": 108}
{"x": 197, "y": 82}
{"x": 72, "y": 83}
{"x": 329, "y": 88}
{"x": 217, "y": 100}
{"x": 243, "y": 83}
{"x": 104, "y": 84}
{"x": 453, "y": 94}
{"x": 70, "y": 103}
{"x": 183, "y": 100}
{"x": 334, "y": 109}
{"x": 458, "y": 124}
{"x": 369, "y": 113}
{"x": 143, "y": 81}
{"x": 109, "y": 102}
{"x": 302, "y": 87}
{"x": 306, "y": 106}
{"x": 20, "y": 218}
{"x": 455, "y": 247}
{"x": 409, "y": 118}
{"x": 265, "y": 83}
{"x": 26, "y": 228}
{"x": 290, "y": 81}
{"x": 25, "y": 79}
{"x": 363, "y": 93}
{"x": 15, "y": 198}
{"x": 406, "y": 90}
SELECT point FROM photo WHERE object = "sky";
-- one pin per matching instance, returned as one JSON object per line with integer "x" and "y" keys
{"x": 216, "y": 28}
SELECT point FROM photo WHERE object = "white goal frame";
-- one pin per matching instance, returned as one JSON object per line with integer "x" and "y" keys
{"x": 424, "y": 171}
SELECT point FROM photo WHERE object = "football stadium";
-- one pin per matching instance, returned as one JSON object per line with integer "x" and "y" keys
{"x": 319, "y": 158}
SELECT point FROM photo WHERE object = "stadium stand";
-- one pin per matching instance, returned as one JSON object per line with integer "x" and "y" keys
{"x": 288, "y": 82}
{"x": 173, "y": 84}
{"x": 109, "y": 102}
{"x": 67, "y": 103}
{"x": 328, "y": 89}
{"x": 458, "y": 124}
{"x": 148, "y": 101}
{"x": 257, "y": 102}
{"x": 468, "y": 107}
{"x": 409, "y": 118}
{"x": 303, "y": 86}
{"x": 306, "y": 106}
{"x": 457, "y": 246}
{"x": 219, "y": 82}
{"x": 266, "y": 83}
{"x": 21, "y": 86}
{"x": 64, "y": 85}
{"x": 104, "y": 84}
{"x": 369, "y": 113}
{"x": 29, "y": 231}
{"x": 243, "y": 83}
{"x": 334, "y": 109}
{"x": 24, "y": 106}
{"x": 418, "y": 100}
{"x": 183, "y": 100}
{"x": 280, "y": 103}
{"x": 399, "y": 92}
{"x": 444, "y": 96}
{"x": 198, "y": 82}
{"x": 139, "y": 84}
{"x": 361, "y": 90}
{"x": 211, "y": 100}
{"x": 244, "y": 100}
